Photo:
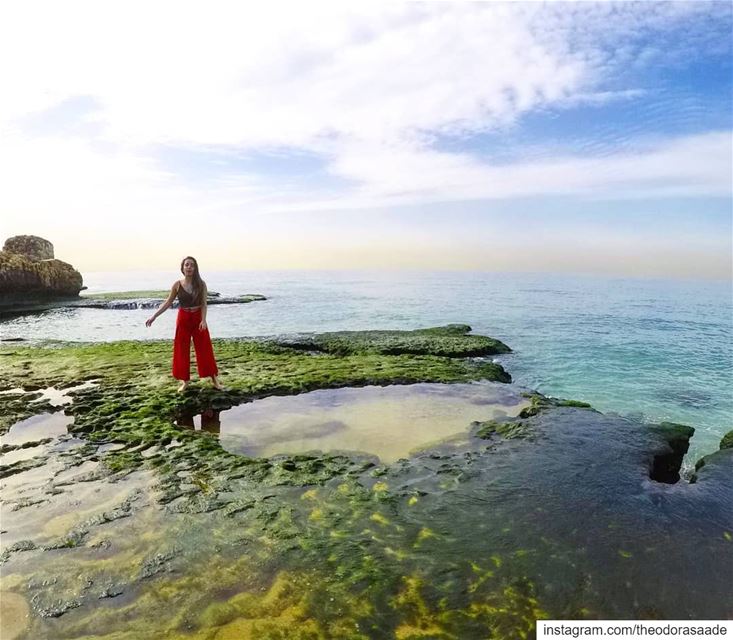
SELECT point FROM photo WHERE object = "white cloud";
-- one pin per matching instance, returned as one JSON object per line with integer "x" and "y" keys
{"x": 598, "y": 98}
{"x": 368, "y": 87}
{"x": 698, "y": 165}
{"x": 71, "y": 183}
{"x": 177, "y": 73}
{"x": 296, "y": 76}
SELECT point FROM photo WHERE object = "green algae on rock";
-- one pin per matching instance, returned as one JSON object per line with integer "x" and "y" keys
{"x": 133, "y": 403}
{"x": 540, "y": 402}
{"x": 451, "y": 341}
{"x": 19, "y": 405}
{"x": 726, "y": 441}
{"x": 509, "y": 429}
{"x": 477, "y": 541}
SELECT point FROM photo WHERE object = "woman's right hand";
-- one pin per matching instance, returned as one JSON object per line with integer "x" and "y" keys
{"x": 149, "y": 321}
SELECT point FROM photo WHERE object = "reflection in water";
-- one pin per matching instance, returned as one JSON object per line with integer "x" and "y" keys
{"x": 44, "y": 425}
{"x": 208, "y": 420}
{"x": 390, "y": 422}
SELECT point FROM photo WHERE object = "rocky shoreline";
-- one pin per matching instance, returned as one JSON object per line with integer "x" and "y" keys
{"x": 116, "y": 300}
{"x": 32, "y": 280}
{"x": 172, "y": 536}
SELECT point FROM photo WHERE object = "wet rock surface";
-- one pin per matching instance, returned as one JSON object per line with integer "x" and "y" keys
{"x": 139, "y": 527}
{"x": 121, "y": 300}
{"x": 153, "y": 299}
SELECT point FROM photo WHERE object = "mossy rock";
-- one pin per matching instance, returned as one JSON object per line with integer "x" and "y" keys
{"x": 574, "y": 403}
{"x": 541, "y": 402}
{"x": 133, "y": 402}
{"x": 450, "y": 341}
{"x": 509, "y": 430}
{"x": 448, "y": 329}
{"x": 673, "y": 432}
{"x": 727, "y": 441}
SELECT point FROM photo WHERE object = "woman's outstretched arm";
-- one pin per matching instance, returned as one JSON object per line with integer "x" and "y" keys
{"x": 167, "y": 303}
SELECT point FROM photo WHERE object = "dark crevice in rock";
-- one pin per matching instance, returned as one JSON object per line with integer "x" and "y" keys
{"x": 666, "y": 464}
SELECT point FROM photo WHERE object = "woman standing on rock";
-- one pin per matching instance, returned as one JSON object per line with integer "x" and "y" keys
{"x": 190, "y": 323}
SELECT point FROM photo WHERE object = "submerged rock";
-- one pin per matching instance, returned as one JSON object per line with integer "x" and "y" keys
{"x": 14, "y": 613}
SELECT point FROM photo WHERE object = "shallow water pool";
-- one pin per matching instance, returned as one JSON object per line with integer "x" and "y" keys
{"x": 388, "y": 422}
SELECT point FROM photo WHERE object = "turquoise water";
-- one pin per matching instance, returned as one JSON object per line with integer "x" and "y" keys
{"x": 654, "y": 349}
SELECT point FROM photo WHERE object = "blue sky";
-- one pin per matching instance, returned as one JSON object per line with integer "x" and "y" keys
{"x": 502, "y": 136}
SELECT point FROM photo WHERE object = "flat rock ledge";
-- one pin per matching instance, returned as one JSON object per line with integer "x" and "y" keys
{"x": 152, "y": 300}
{"x": 119, "y": 300}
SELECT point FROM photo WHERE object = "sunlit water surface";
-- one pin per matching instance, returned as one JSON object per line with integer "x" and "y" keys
{"x": 652, "y": 349}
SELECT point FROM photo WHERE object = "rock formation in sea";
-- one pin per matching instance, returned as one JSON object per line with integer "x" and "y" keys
{"x": 30, "y": 273}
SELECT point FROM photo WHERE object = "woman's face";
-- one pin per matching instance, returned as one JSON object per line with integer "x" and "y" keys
{"x": 189, "y": 267}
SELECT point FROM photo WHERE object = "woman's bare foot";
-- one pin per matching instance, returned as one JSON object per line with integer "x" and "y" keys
{"x": 183, "y": 386}
{"x": 216, "y": 384}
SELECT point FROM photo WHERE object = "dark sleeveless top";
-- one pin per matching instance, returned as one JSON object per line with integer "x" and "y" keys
{"x": 186, "y": 299}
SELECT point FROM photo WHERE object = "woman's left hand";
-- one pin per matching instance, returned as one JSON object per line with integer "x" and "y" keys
{"x": 202, "y": 325}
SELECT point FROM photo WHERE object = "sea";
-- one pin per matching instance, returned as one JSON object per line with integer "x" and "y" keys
{"x": 650, "y": 349}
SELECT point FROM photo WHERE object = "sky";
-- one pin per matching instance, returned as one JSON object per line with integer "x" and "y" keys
{"x": 570, "y": 137}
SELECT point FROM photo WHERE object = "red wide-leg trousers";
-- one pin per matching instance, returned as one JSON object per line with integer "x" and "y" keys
{"x": 187, "y": 327}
